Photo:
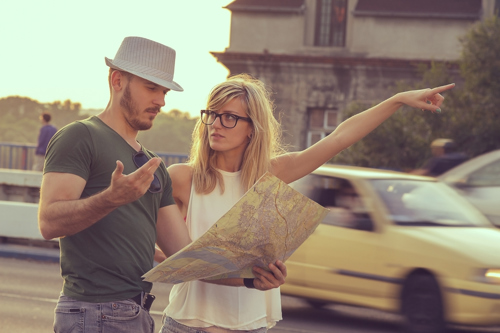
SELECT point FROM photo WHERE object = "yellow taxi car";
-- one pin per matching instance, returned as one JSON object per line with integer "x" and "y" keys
{"x": 401, "y": 243}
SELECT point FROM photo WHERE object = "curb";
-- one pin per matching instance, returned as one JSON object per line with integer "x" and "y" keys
{"x": 29, "y": 252}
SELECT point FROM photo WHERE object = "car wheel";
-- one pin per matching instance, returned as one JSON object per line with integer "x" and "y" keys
{"x": 422, "y": 305}
{"x": 316, "y": 304}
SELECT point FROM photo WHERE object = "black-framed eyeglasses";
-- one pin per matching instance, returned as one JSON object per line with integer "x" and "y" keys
{"x": 228, "y": 120}
{"x": 140, "y": 158}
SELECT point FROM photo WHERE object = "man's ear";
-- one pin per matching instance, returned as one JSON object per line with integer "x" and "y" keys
{"x": 118, "y": 80}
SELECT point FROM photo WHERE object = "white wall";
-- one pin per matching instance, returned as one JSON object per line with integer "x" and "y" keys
{"x": 374, "y": 37}
{"x": 408, "y": 38}
{"x": 18, "y": 211}
{"x": 255, "y": 32}
{"x": 19, "y": 220}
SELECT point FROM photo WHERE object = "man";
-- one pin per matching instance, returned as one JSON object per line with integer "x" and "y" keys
{"x": 444, "y": 157}
{"x": 47, "y": 131}
{"x": 109, "y": 200}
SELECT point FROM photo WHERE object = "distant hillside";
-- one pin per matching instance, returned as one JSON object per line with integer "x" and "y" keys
{"x": 19, "y": 123}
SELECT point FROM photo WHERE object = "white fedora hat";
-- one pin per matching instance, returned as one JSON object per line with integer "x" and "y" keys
{"x": 145, "y": 58}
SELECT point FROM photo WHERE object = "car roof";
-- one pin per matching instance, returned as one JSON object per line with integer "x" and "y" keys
{"x": 352, "y": 172}
{"x": 469, "y": 166}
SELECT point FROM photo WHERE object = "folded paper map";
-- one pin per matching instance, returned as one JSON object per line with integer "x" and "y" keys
{"x": 267, "y": 224}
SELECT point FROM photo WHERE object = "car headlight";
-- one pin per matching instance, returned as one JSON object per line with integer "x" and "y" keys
{"x": 489, "y": 275}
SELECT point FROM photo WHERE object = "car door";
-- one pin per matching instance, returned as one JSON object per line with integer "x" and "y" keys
{"x": 343, "y": 255}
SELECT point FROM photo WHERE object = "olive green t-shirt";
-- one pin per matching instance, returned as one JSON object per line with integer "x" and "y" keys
{"x": 105, "y": 262}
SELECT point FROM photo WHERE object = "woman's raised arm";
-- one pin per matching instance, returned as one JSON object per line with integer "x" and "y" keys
{"x": 292, "y": 166}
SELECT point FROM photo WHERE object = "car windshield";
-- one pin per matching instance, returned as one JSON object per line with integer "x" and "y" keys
{"x": 422, "y": 203}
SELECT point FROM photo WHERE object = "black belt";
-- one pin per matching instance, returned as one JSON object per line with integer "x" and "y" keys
{"x": 144, "y": 299}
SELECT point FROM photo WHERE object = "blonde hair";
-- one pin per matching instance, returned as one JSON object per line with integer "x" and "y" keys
{"x": 264, "y": 144}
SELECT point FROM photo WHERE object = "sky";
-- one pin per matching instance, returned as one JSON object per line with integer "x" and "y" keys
{"x": 54, "y": 49}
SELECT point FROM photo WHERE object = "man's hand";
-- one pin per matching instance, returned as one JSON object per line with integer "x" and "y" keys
{"x": 127, "y": 188}
{"x": 265, "y": 280}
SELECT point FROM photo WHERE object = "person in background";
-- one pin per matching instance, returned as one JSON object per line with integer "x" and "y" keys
{"x": 235, "y": 142}
{"x": 109, "y": 200}
{"x": 348, "y": 210}
{"x": 47, "y": 131}
{"x": 444, "y": 157}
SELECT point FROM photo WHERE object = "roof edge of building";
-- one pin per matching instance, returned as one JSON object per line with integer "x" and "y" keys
{"x": 457, "y": 16}
{"x": 331, "y": 59}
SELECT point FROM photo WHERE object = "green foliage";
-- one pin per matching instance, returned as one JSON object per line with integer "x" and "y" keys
{"x": 480, "y": 61}
{"x": 478, "y": 121}
{"x": 19, "y": 117}
{"x": 64, "y": 113}
{"x": 470, "y": 113}
{"x": 402, "y": 141}
{"x": 397, "y": 144}
{"x": 19, "y": 123}
{"x": 170, "y": 133}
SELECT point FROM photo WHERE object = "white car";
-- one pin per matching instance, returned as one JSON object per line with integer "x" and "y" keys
{"x": 478, "y": 180}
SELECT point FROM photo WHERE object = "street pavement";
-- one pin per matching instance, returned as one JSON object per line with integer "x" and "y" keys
{"x": 298, "y": 317}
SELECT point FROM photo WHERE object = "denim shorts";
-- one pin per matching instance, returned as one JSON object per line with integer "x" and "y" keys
{"x": 171, "y": 326}
{"x": 72, "y": 316}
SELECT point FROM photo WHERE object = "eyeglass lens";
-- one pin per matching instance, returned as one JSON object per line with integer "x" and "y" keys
{"x": 227, "y": 120}
{"x": 139, "y": 160}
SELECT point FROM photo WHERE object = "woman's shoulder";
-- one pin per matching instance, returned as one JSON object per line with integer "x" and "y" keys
{"x": 180, "y": 173}
{"x": 180, "y": 169}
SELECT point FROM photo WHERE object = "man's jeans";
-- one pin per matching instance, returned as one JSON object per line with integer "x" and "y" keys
{"x": 72, "y": 316}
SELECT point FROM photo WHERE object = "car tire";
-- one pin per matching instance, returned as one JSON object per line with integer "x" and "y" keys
{"x": 422, "y": 305}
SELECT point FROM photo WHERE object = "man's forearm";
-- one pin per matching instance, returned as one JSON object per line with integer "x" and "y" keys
{"x": 65, "y": 218}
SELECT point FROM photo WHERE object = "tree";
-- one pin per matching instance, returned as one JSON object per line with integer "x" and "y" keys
{"x": 19, "y": 123}
{"x": 64, "y": 113}
{"x": 478, "y": 122}
{"x": 396, "y": 144}
{"x": 19, "y": 117}
{"x": 171, "y": 132}
{"x": 402, "y": 141}
{"x": 470, "y": 117}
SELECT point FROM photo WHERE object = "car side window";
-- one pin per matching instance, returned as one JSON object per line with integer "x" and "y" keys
{"x": 488, "y": 175}
{"x": 340, "y": 197}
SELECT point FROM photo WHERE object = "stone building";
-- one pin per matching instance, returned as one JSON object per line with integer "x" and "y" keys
{"x": 317, "y": 56}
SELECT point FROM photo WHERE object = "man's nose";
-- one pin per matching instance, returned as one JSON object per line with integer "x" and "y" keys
{"x": 160, "y": 100}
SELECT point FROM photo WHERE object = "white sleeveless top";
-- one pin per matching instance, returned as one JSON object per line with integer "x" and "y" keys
{"x": 201, "y": 304}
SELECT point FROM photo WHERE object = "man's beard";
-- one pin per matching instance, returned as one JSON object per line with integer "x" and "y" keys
{"x": 132, "y": 112}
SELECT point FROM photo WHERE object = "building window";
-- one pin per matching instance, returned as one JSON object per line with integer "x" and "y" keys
{"x": 330, "y": 22}
{"x": 321, "y": 123}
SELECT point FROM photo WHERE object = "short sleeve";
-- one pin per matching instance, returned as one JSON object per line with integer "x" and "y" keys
{"x": 70, "y": 151}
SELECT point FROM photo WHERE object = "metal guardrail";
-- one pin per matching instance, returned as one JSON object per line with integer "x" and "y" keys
{"x": 20, "y": 156}
{"x": 170, "y": 158}
{"x": 16, "y": 156}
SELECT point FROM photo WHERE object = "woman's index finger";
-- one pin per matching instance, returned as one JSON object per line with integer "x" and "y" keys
{"x": 440, "y": 89}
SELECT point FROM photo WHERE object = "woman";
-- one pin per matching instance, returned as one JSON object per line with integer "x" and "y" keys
{"x": 235, "y": 142}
